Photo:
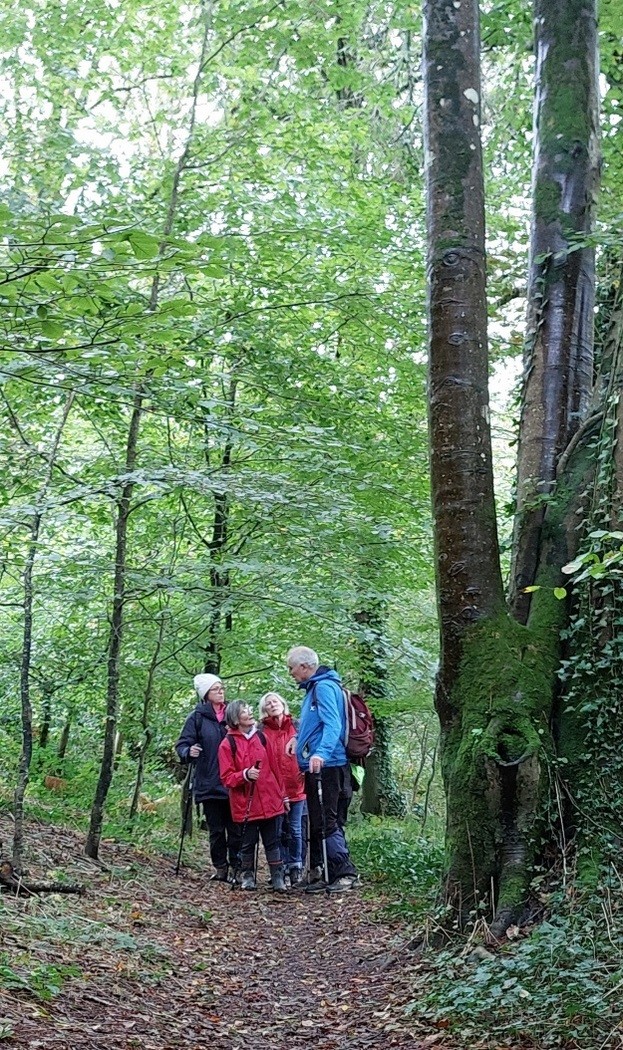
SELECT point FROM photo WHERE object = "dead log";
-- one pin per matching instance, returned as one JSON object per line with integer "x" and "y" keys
{"x": 10, "y": 882}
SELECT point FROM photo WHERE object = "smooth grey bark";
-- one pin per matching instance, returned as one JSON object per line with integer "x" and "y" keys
{"x": 558, "y": 352}
{"x": 469, "y": 582}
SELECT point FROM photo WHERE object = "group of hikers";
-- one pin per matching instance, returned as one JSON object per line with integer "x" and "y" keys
{"x": 257, "y": 780}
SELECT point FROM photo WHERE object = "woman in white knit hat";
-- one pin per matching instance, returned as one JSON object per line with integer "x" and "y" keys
{"x": 199, "y": 741}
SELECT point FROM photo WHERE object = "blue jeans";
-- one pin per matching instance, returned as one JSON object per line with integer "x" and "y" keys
{"x": 292, "y": 840}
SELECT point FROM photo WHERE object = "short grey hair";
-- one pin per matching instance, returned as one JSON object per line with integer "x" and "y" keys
{"x": 232, "y": 712}
{"x": 265, "y": 700}
{"x": 301, "y": 655}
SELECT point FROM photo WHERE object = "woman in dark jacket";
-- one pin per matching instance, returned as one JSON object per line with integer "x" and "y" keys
{"x": 199, "y": 741}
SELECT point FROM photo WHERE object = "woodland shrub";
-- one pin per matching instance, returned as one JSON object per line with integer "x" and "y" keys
{"x": 556, "y": 987}
{"x": 395, "y": 854}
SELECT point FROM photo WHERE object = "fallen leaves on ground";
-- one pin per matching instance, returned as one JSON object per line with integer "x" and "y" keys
{"x": 148, "y": 961}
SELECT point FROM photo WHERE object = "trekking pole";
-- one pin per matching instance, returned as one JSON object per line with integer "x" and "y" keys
{"x": 188, "y": 787}
{"x": 244, "y": 827}
{"x": 325, "y": 859}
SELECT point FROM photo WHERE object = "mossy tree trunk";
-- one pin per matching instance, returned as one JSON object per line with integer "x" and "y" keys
{"x": 497, "y": 683}
{"x": 469, "y": 582}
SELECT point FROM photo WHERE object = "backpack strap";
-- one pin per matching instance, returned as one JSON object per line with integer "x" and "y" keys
{"x": 345, "y": 697}
{"x": 234, "y": 747}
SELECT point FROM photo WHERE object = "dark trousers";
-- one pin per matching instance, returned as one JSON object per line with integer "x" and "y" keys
{"x": 336, "y": 787}
{"x": 224, "y": 834}
{"x": 269, "y": 830}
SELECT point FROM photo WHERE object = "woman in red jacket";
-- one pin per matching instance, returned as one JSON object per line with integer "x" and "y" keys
{"x": 256, "y": 793}
{"x": 279, "y": 728}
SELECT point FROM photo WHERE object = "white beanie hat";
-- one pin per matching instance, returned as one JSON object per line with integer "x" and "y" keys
{"x": 204, "y": 682}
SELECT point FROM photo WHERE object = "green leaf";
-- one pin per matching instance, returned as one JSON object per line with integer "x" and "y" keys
{"x": 143, "y": 245}
{"x": 52, "y": 329}
{"x": 560, "y": 593}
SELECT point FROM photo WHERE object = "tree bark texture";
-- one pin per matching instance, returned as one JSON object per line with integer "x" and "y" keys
{"x": 558, "y": 356}
{"x": 469, "y": 583}
{"x": 116, "y": 631}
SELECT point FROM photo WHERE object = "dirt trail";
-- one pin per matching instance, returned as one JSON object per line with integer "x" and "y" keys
{"x": 159, "y": 963}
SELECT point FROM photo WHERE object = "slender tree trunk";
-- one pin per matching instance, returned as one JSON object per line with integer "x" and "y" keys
{"x": 46, "y": 718}
{"x": 218, "y": 544}
{"x": 116, "y": 631}
{"x": 64, "y": 737}
{"x": 381, "y": 795}
{"x": 26, "y": 753}
{"x": 145, "y": 716}
{"x": 558, "y": 356}
{"x": 105, "y": 777}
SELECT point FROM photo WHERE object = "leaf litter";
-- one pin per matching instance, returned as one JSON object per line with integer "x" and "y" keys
{"x": 148, "y": 961}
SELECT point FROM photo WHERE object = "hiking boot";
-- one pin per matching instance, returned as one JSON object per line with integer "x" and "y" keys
{"x": 277, "y": 879}
{"x": 296, "y": 876}
{"x": 316, "y": 883}
{"x": 220, "y": 875}
{"x": 248, "y": 881}
{"x": 344, "y": 884}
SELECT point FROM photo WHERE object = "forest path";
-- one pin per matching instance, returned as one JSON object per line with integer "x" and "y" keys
{"x": 158, "y": 962}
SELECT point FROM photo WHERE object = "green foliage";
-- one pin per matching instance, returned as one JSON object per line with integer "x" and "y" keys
{"x": 398, "y": 858}
{"x": 40, "y": 980}
{"x": 555, "y": 987}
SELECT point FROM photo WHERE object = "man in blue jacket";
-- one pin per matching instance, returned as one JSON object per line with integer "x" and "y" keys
{"x": 321, "y": 755}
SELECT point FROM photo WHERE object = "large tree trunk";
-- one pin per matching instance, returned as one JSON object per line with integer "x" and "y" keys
{"x": 498, "y": 679}
{"x": 114, "y": 642}
{"x": 469, "y": 582}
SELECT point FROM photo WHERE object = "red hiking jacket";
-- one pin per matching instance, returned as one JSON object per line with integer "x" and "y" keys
{"x": 269, "y": 791}
{"x": 277, "y": 737}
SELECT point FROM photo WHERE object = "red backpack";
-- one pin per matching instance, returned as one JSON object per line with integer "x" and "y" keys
{"x": 359, "y": 735}
{"x": 359, "y": 739}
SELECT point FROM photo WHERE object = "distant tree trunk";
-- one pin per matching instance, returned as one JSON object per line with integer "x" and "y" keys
{"x": 124, "y": 509}
{"x": 46, "y": 718}
{"x": 27, "y": 732}
{"x": 381, "y": 795}
{"x": 145, "y": 715}
{"x": 64, "y": 737}
{"x": 219, "y": 618}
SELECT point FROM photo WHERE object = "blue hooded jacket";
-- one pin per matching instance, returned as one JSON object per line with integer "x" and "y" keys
{"x": 322, "y": 725}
